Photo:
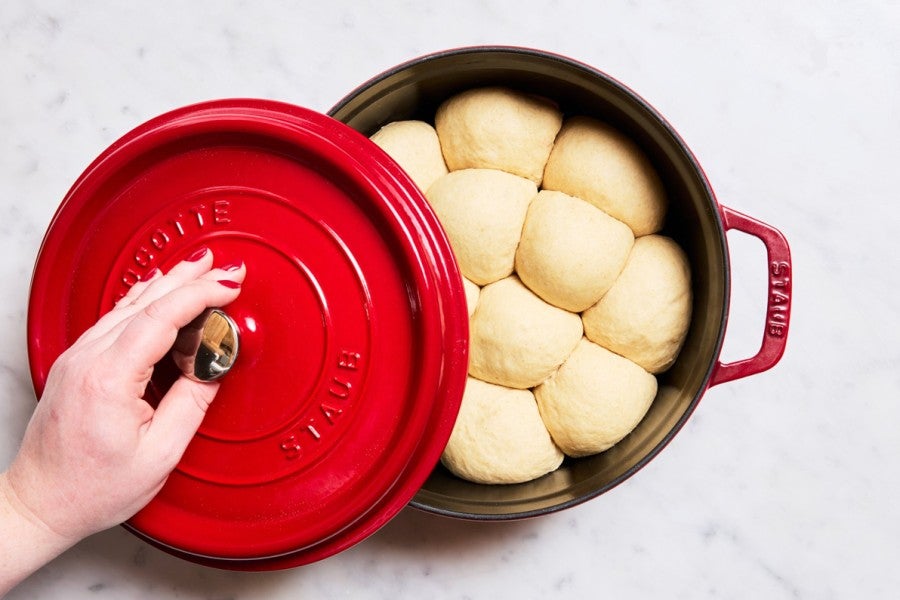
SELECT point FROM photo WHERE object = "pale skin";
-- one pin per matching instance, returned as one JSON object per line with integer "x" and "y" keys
{"x": 94, "y": 452}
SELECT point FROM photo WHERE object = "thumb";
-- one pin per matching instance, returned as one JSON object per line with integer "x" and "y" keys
{"x": 178, "y": 417}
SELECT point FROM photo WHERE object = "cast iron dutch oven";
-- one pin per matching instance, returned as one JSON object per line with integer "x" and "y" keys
{"x": 352, "y": 320}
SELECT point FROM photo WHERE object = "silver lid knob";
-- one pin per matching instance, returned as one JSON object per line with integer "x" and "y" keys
{"x": 207, "y": 347}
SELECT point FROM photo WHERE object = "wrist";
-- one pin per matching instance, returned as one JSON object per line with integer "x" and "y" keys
{"x": 26, "y": 543}
{"x": 16, "y": 514}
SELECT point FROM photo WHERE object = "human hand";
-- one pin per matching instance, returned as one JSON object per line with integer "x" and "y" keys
{"x": 94, "y": 452}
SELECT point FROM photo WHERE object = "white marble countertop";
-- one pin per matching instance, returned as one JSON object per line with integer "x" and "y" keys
{"x": 782, "y": 485}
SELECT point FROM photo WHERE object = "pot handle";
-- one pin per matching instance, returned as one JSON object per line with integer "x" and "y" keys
{"x": 778, "y": 303}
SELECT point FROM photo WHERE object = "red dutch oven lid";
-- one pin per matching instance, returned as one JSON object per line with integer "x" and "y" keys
{"x": 352, "y": 321}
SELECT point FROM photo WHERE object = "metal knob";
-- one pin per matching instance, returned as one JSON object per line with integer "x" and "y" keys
{"x": 207, "y": 347}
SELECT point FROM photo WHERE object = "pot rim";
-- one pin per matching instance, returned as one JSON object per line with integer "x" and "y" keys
{"x": 716, "y": 214}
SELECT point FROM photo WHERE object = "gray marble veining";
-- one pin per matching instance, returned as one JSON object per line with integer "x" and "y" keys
{"x": 783, "y": 485}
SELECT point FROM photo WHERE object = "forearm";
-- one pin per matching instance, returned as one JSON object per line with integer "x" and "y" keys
{"x": 26, "y": 544}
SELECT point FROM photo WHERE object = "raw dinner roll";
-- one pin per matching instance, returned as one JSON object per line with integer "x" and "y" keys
{"x": 593, "y": 161}
{"x": 499, "y": 437}
{"x": 594, "y": 400}
{"x": 571, "y": 252}
{"x": 645, "y": 315}
{"x": 472, "y": 293}
{"x": 482, "y": 211}
{"x": 517, "y": 339}
{"x": 498, "y": 128}
{"x": 415, "y": 147}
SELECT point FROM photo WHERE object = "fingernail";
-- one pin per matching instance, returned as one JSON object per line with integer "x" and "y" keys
{"x": 232, "y": 266}
{"x": 229, "y": 283}
{"x": 150, "y": 275}
{"x": 198, "y": 254}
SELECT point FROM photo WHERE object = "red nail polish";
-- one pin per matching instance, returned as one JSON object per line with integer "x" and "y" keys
{"x": 150, "y": 275}
{"x": 232, "y": 266}
{"x": 198, "y": 254}
{"x": 229, "y": 283}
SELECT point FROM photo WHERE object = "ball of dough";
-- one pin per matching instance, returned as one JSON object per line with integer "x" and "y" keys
{"x": 498, "y": 128}
{"x": 415, "y": 147}
{"x": 571, "y": 252}
{"x": 482, "y": 212}
{"x": 499, "y": 437}
{"x": 645, "y": 315}
{"x": 594, "y": 400}
{"x": 593, "y": 161}
{"x": 517, "y": 339}
{"x": 472, "y": 293}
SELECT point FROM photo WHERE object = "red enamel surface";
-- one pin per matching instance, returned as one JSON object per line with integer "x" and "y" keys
{"x": 352, "y": 321}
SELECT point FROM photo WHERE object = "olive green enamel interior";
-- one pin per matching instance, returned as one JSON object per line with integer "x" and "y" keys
{"x": 413, "y": 91}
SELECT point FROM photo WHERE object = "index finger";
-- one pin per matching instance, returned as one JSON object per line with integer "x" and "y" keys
{"x": 143, "y": 293}
{"x": 147, "y": 338}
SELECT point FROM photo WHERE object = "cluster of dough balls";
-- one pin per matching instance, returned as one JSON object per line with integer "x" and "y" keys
{"x": 575, "y": 301}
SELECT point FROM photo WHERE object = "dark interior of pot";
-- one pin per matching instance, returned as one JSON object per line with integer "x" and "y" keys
{"x": 413, "y": 91}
